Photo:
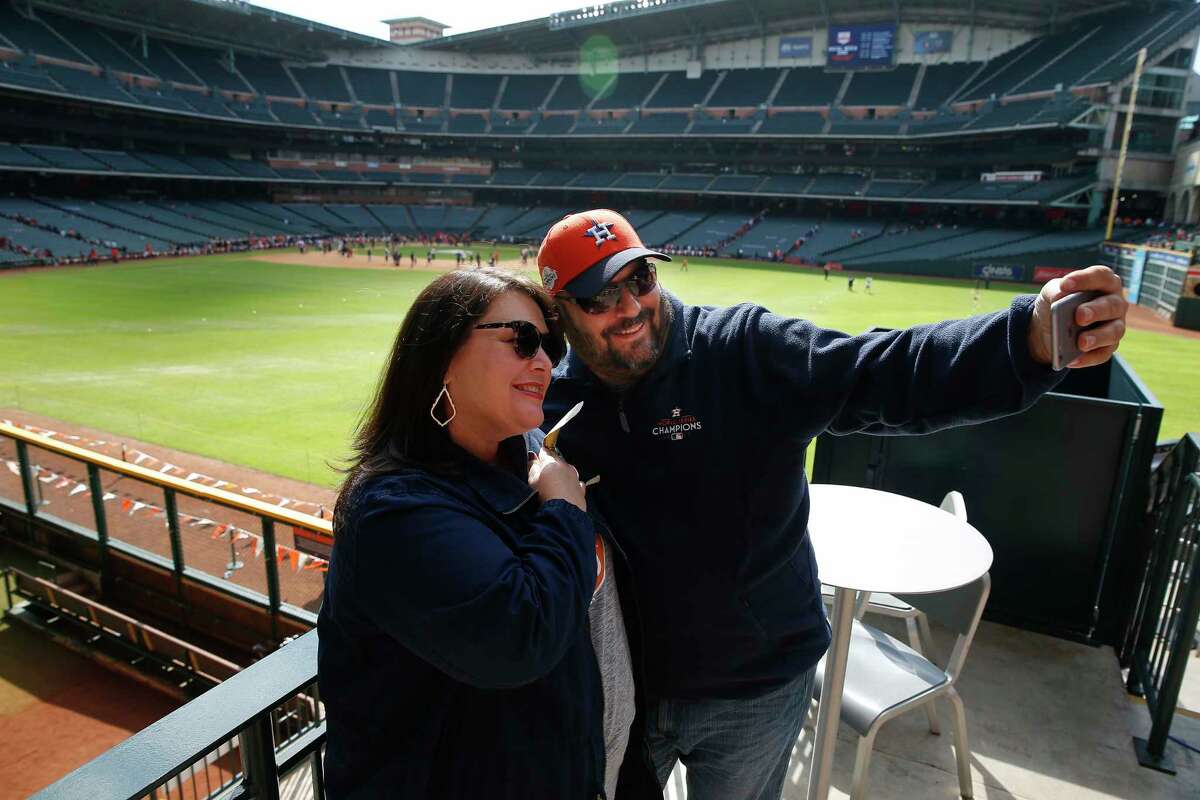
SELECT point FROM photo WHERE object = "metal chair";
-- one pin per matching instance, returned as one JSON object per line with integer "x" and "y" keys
{"x": 885, "y": 677}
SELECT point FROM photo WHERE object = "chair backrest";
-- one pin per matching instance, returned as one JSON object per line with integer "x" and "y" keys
{"x": 957, "y": 609}
{"x": 953, "y": 503}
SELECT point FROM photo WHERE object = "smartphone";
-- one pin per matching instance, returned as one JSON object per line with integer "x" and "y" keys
{"x": 1064, "y": 330}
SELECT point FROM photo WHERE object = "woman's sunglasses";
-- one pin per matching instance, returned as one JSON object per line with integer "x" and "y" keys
{"x": 640, "y": 283}
{"x": 529, "y": 339}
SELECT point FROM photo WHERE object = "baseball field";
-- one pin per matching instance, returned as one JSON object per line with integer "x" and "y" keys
{"x": 268, "y": 361}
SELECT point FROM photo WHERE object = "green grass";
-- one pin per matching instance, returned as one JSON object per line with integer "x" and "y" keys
{"x": 270, "y": 365}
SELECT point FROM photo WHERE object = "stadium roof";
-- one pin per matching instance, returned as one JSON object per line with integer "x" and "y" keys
{"x": 222, "y": 23}
{"x": 643, "y": 25}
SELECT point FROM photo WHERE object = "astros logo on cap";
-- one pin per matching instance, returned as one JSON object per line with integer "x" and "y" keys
{"x": 582, "y": 252}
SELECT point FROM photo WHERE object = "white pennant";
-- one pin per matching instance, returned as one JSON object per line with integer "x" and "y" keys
{"x": 78, "y": 488}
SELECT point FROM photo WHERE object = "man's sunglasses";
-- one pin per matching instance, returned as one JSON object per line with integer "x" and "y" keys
{"x": 529, "y": 339}
{"x": 640, "y": 283}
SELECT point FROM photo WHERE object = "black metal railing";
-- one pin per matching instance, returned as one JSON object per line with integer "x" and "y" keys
{"x": 242, "y": 740}
{"x": 258, "y": 549}
{"x": 1169, "y": 604}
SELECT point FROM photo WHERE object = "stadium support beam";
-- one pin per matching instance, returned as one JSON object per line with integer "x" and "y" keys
{"x": 1133, "y": 98}
{"x": 971, "y": 34}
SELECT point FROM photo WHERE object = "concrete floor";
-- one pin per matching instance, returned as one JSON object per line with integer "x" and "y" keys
{"x": 1047, "y": 720}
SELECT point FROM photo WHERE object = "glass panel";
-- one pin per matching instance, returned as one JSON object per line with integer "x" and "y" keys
{"x": 60, "y": 486}
{"x": 135, "y": 511}
{"x": 10, "y": 478}
{"x": 301, "y": 568}
{"x": 222, "y": 542}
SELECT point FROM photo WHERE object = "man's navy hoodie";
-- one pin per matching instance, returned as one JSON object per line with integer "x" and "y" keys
{"x": 701, "y": 467}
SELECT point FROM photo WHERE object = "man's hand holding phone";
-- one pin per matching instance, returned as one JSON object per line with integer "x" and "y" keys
{"x": 1089, "y": 327}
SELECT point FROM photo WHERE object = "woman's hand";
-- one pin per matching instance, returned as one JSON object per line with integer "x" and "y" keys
{"x": 555, "y": 479}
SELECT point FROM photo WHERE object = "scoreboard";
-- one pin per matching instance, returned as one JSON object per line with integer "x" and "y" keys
{"x": 861, "y": 46}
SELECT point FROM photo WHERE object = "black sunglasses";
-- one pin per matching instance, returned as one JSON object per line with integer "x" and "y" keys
{"x": 640, "y": 283}
{"x": 529, "y": 339}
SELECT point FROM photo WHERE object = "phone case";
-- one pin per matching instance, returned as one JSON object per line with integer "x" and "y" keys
{"x": 1064, "y": 331}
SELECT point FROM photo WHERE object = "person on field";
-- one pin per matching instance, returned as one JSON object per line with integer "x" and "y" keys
{"x": 695, "y": 423}
{"x": 472, "y": 642}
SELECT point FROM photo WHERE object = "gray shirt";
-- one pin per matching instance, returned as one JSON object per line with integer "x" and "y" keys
{"x": 616, "y": 669}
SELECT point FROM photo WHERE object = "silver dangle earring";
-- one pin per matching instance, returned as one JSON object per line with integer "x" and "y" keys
{"x": 433, "y": 408}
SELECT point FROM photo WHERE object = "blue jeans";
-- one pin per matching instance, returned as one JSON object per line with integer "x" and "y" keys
{"x": 733, "y": 749}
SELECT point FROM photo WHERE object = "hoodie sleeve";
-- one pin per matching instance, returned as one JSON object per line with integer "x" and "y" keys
{"x": 435, "y": 577}
{"x": 910, "y": 381}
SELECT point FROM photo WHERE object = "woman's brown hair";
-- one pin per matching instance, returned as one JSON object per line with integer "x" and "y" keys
{"x": 397, "y": 430}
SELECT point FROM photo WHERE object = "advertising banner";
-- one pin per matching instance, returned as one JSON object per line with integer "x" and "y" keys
{"x": 795, "y": 47}
{"x": 1046, "y": 274}
{"x": 930, "y": 42}
{"x": 998, "y": 272}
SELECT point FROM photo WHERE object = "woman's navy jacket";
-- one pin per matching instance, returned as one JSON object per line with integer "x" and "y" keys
{"x": 455, "y": 659}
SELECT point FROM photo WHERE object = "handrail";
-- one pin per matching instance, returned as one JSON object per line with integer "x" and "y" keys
{"x": 199, "y": 491}
{"x": 148, "y": 758}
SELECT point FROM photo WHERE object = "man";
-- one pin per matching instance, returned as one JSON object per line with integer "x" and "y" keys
{"x": 695, "y": 423}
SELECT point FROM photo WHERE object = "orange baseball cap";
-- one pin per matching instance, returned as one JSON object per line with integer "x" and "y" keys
{"x": 583, "y": 252}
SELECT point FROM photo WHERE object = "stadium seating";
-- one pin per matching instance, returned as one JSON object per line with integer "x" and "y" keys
{"x": 735, "y": 183}
{"x": 12, "y": 155}
{"x": 207, "y": 66}
{"x": 378, "y": 118}
{"x": 119, "y": 162}
{"x": 428, "y": 123}
{"x": 785, "y": 184}
{"x": 889, "y": 88}
{"x": 42, "y": 240}
{"x": 808, "y": 86}
{"x": 467, "y": 123}
{"x": 666, "y": 228}
{"x": 587, "y": 125}
{"x": 767, "y": 236}
{"x": 212, "y": 105}
{"x": 318, "y": 214}
{"x": 496, "y": 220}
{"x": 267, "y": 76}
{"x": 27, "y": 74}
{"x": 421, "y": 89}
{"x": 474, "y": 91}
{"x": 744, "y": 87}
{"x": 941, "y": 82}
{"x": 322, "y": 83}
{"x": 670, "y": 122}
{"x": 357, "y": 218}
{"x": 94, "y": 43}
{"x": 87, "y": 84}
{"x": 680, "y": 91}
{"x": 890, "y": 188}
{"x": 686, "y": 182}
{"x": 865, "y": 127}
{"x": 554, "y": 125}
{"x": 705, "y": 125}
{"x": 167, "y": 66}
{"x": 292, "y": 114}
{"x": 393, "y": 218}
{"x": 628, "y": 90}
{"x": 637, "y": 180}
{"x": 595, "y": 180}
{"x": 34, "y": 37}
{"x": 829, "y": 235}
{"x": 65, "y": 157}
{"x": 372, "y": 86}
{"x": 710, "y": 232}
{"x": 526, "y": 91}
{"x": 837, "y": 185}
{"x": 163, "y": 97}
{"x": 66, "y": 217}
{"x": 793, "y": 123}
{"x": 569, "y": 95}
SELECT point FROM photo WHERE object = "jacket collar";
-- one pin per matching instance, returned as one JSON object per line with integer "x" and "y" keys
{"x": 574, "y": 369}
{"x": 500, "y": 486}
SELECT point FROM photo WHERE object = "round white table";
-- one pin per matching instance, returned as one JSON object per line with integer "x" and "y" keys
{"x": 871, "y": 541}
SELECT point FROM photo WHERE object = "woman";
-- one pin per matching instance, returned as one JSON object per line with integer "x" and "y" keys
{"x": 455, "y": 658}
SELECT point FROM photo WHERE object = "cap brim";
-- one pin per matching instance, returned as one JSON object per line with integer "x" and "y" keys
{"x": 597, "y": 276}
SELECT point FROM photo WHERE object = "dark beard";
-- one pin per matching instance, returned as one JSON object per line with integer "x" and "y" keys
{"x": 615, "y": 368}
